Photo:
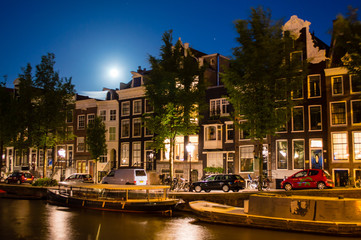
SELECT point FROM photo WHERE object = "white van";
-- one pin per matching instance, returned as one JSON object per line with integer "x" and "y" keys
{"x": 126, "y": 176}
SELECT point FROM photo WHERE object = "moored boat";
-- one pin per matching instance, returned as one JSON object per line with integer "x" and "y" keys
{"x": 336, "y": 216}
{"x": 122, "y": 198}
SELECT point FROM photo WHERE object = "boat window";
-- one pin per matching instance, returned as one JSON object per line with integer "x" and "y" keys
{"x": 139, "y": 173}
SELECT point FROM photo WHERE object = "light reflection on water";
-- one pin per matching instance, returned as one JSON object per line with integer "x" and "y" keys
{"x": 23, "y": 219}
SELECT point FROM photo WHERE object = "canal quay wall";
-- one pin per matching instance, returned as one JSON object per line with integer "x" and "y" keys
{"x": 26, "y": 191}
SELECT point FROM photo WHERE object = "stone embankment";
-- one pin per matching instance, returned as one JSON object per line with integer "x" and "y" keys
{"x": 26, "y": 191}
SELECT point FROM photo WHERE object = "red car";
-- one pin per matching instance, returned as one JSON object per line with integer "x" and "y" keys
{"x": 20, "y": 177}
{"x": 309, "y": 178}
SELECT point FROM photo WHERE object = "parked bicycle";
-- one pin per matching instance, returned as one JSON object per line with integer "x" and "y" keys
{"x": 253, "y": 183}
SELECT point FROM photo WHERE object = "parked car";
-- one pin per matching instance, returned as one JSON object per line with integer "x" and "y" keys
{"x": 126, "y": 176}
{"x": 20, "y": 177}
{"x": 309, "y": 178}
{"x": 77, "y": 178}
{"x": 223, "y": 182}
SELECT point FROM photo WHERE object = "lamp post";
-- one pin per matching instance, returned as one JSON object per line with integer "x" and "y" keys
{"x": 151, "y": 155}
{"x": 190, "y": 148}
{"x": 61, "y": 154}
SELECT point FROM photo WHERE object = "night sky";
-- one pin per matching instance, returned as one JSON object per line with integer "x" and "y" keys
{"x": 90, "y": 39}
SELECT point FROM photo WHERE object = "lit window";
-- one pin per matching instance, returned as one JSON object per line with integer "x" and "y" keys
{"x": 124, "y": 154}
{"x": 357, "y": 145}
{"x": 298, "y": 154}
{"x": 136, "y": 160}
{"x": 282, "y": 150}
{"x": 246, "y": 155}
{"x": 339, "y": 146}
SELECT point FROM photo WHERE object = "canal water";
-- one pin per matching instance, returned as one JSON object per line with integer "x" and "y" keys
{"x": 35, "y": 219}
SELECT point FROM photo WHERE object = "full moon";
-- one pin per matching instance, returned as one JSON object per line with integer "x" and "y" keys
{"x": 114, "y": 73}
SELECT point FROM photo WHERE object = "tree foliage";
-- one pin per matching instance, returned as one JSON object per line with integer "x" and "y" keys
{"x": 175, "y": 88}
{"x": 261, "y": 76}
{"x": 347, "y": 42}
{"x": 96, "y": 140}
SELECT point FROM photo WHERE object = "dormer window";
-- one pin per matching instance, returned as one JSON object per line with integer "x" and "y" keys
{"x": 137, "y": 82}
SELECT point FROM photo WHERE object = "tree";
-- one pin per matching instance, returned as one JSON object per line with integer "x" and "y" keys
{"x": 7, "y": 116}
{"x": 52, "y": 105}
{"x": 260, "y": 78}
{"x": 346, "y": 49}
{"x": 96, "y": 141}
{"x": 175, "y": 88}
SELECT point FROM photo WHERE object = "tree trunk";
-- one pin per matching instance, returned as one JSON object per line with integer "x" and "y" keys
{"x": 45, "y": 160}
{"x": 260, "y": 168}
{"x": 171, "y": 159}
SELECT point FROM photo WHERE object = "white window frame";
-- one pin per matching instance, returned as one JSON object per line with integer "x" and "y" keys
{"x": 354, "y": 148}
{"x": 134, "y": 152}
{"x": 112, "y": 115}
{"x": 112, "y": 135}
{"x": 230, "y": 129}
{"x": 293, "y": 153}
{"x": 81, "y": 121}
{"x": 122, "y": 130}
{"x": 221, "y": 102}
{"x": 145, "y": 107}
{"x": 352, "y": 92}
{"x": 308, "y": 86}
{"x": 80, "y": 140}
{"x": 218, "y": 135}
{"x": 309, "y": 117}
{"x": 303, "y": 119}
{"x": 239, "y": 163}
{"x": 332, "y": 148}
{"x": 122, "y": 149}
{"x": 343, "y": 124}
{"x": 277, "y": 153}
{"x": 140, "y": 127}
{"x": 352, "y": 112}
{"x": 90, "y": 118}
{"x": 145, "y": 131}
{"x": 103, "y": 115}
{"x": 332, "y": 85}
{"x": 140, "y": 107}
{"x": 123, "y": 107}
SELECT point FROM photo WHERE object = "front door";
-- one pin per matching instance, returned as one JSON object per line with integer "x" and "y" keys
{"x": 341, "y": 178}
{"x": 316, "y": 158}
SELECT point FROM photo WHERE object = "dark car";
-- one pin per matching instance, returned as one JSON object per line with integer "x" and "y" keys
{"x": 223, "y": 182}
{"x": 309, "y": 178}
{"x": 20, "y": 177}
{"x": 77, "y": 178}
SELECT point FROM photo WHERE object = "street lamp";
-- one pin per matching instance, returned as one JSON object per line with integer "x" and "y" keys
{"x": 151, "y": 155}
{"x": 190, "y": 148}
{"x": 61, "y": 154}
